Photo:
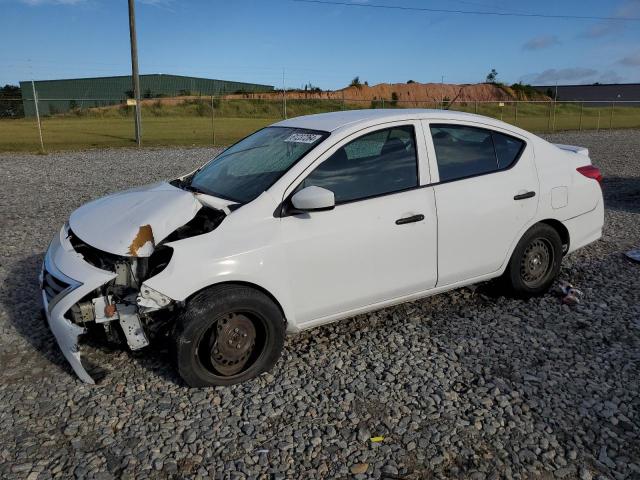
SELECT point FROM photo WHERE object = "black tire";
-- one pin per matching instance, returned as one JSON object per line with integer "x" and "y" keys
{"x": 251, "y": 324}
{"x": 535, "y": 262}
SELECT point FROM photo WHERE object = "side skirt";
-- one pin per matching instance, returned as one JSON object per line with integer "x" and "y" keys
{"x": 394, "y": 301}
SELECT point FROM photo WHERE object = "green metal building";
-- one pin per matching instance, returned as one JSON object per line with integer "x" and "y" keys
{"x": 59, "y": 96}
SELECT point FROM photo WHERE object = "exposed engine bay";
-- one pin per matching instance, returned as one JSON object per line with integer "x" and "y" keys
{"x": 123, "y": 309}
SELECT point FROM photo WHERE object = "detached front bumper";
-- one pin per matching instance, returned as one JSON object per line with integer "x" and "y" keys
{"x": 65, "y": 279}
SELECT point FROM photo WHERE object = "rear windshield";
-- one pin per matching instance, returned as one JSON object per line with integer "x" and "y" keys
{"x": 251, "y": 166}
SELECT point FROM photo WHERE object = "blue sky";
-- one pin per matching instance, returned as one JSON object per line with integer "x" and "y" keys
{"x": 327, "y": 45}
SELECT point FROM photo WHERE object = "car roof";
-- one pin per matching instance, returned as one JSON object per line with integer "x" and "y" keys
{"x": 329, "y": 122}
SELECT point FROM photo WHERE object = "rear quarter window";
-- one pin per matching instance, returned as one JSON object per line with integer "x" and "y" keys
{"x": 508, "y": 149}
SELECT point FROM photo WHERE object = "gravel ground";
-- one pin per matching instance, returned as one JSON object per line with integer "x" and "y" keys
{"x": 466, "y": 384}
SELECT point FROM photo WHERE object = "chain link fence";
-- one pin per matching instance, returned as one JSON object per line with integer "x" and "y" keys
{"x": 68, "y": 124}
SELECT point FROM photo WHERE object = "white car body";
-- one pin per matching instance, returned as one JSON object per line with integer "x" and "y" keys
{"x": 323, "y": 266}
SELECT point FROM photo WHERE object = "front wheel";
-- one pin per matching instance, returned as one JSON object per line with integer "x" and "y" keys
{"x": 535, "y": 262}
{"x": 228, "y": 334}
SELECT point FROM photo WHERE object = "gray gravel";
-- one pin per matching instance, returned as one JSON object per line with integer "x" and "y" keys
{"x": 466, "y": 384}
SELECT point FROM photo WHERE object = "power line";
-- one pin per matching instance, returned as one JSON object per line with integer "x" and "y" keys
{"x": 466, "y": 12}
{"x": 484, "y": 5}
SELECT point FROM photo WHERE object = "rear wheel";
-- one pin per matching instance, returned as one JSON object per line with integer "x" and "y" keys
{"x": 228, "y": 334}
{"x": 535, "y": 262}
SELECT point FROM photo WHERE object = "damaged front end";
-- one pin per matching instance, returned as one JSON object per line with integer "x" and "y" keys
{"x": 122, "y": 306}
{"x": 90, "y": 290}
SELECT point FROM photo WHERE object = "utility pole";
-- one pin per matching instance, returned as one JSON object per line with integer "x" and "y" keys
{"x": 35, "y": 102}
{"x": 134, "y": 70}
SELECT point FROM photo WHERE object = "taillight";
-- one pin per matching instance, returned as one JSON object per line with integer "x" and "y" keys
{"x": 590, "y": 171}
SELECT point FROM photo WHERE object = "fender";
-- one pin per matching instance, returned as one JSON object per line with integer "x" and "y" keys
{"x": 245, "y": 248}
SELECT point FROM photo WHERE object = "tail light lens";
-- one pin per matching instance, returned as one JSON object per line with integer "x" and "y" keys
{"x": 590, "y": 171}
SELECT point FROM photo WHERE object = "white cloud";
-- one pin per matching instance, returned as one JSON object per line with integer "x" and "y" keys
{"x": 632, "y": 60}
{"x": 543, "y": 41}
{"x": 553, "y": 75}
{"x": 162, "y": 4}
{"x": 610, "y": 77}
{"x": 577, "y": 75}
{"x": 35, "y": 3}
{"x": 628, "y": 9}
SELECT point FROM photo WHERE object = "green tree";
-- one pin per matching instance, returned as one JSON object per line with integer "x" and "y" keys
{"x": 355, "y": 82}
{"x": 11, "y": 102}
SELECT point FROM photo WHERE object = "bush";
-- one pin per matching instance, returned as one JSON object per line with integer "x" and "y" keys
{"x": 157, "y": 108}
{"x": 11, "y": 102}
{"x": 202, "y": 109}
{"x": 524, "y": 91}
{"x": 123, "y": 110}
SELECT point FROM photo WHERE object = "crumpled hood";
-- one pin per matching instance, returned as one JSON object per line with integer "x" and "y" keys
{"x": 133, "y": 222}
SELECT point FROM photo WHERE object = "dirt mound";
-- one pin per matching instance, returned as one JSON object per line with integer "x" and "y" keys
{"x": 407, "y": 92}
{"x": 421, "y": 95}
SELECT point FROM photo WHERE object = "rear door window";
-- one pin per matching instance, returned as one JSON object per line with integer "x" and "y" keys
{"x": 463, "y": 151}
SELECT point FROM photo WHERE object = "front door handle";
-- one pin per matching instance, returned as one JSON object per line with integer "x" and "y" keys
{"x": 411, "y": 219}
{"x": 522, "y": 196}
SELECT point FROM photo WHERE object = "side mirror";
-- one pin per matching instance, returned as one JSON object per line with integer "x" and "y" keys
{"x": 313, "y": 198}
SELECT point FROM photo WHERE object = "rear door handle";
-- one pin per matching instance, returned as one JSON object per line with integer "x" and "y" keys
{"x": 411, "y": 219}
{"x": 522, "y": 196}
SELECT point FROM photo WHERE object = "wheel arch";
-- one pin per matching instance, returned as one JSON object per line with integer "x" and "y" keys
{"x": 557, "y": 225}
{"x": 254, "y": 286}
{"x": 562, "y": 230}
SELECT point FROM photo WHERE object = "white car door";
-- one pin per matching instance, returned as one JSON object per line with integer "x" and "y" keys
{"x": 379, "y": 242}
{"x": 486, "y": 194}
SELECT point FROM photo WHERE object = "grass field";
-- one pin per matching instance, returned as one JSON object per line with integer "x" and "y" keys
{"x": 88, "y": 132}
{"x": 190, "y": 122}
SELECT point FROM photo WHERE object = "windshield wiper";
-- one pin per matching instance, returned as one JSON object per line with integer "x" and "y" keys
{"x": 189, "y": 187}
{"x": 185, "y": 184}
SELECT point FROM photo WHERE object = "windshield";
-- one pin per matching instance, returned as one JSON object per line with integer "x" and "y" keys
{"x": 251, "y": 166}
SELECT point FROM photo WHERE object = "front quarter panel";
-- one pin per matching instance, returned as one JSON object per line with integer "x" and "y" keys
{"x": 244, "y": 248}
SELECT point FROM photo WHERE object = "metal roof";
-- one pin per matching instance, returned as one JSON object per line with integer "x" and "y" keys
{"x": 57, "y": 96}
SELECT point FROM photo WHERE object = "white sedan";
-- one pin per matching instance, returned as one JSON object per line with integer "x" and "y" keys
{"x": 312, "y": 220}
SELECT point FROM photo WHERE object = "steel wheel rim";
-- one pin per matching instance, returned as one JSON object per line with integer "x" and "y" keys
{"x": 537, "y": 262}
{"x": 232, "y": 344}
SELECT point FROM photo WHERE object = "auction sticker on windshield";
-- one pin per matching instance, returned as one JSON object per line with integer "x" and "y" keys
{"x": 302, "y": 137}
